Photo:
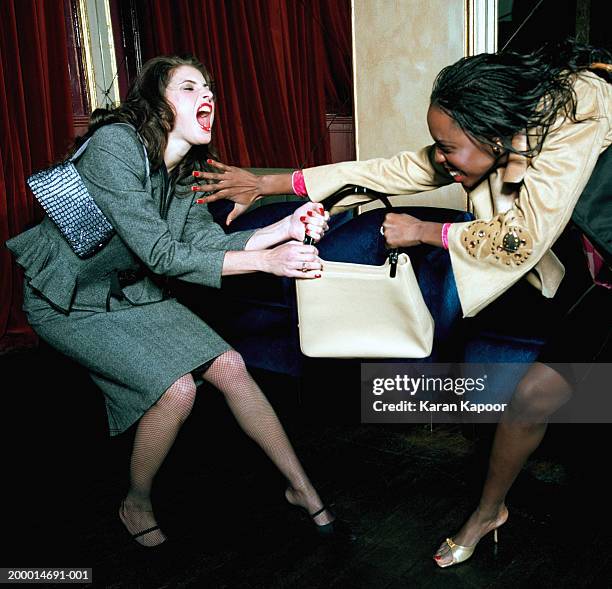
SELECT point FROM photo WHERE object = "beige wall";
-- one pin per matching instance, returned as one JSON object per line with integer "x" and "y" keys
{"x": 398, "y": 48}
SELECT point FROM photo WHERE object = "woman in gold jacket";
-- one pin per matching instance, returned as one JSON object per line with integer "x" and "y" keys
{"x": 523, "y": 135}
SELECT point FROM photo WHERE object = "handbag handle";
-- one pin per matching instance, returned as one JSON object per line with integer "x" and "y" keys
{"x": 393, "y": 254}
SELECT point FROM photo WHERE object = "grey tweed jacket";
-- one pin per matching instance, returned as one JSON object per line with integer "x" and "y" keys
{"x": 187, "y": 245}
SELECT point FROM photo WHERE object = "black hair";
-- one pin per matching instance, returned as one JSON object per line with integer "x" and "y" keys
{"x": 493, "y": 96}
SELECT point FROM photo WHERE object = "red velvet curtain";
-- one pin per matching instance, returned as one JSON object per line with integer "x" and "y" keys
{"x": 277, "y": 65}
{"x": 35, "y": 130}
{"x": 336, "y": 25}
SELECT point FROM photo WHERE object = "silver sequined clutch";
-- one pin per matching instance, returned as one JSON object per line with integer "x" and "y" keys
{"x": 67, "y": 202}
{"x": 64, "y": 197}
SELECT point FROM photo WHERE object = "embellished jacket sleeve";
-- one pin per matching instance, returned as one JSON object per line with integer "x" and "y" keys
{"x": 490, "y": 254}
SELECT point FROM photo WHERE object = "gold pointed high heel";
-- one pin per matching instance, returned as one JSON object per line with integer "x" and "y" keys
{"x": 462, "y": 553}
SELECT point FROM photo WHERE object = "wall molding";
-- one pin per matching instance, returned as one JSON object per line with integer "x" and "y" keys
{"x": 480, "y": 27}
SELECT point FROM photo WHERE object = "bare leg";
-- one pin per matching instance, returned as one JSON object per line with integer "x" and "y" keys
{"x": 257, "y": 418}
{"x": 155, "y": 435}
{"x": 539, "y": 394}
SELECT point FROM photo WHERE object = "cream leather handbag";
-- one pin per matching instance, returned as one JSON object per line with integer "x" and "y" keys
{"x": 361, "y": 311}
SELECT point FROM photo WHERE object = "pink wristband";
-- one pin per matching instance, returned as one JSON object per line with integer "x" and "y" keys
{"x": 297, "y": 184}
{"x": 445, "y": 229}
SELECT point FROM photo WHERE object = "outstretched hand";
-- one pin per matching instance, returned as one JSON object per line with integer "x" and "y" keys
{"x": 232, "y": 183}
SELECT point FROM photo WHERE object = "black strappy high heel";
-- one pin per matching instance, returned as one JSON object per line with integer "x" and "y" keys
{"x": 333, "y": 530}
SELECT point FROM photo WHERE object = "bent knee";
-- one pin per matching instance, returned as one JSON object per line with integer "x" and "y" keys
{"x": 179, "y": 398}
{"x": 229, "y": 362}
{"x": 539, "y": 395}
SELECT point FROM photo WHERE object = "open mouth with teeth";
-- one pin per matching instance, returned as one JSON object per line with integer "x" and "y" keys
{"x": 204, "y": 116}
{"x": 457, "y": 175}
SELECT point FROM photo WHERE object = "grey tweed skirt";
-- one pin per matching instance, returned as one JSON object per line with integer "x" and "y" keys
{"x": 134, "y": 353}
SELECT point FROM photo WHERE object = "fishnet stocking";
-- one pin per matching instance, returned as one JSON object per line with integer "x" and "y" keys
{"x": 155, "y": 435}
{"x": 259, "y": 421}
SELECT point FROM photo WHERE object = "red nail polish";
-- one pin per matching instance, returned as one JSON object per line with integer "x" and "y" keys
{"x": 209, "y": 161}
{"x": 307, "y": 232}
{"x": 194, "y": 188}
{"x": 200, "y": 201}
{"x": 303, "y": 219}
{"x": 321, "y": 210}
{"x": 310, "y": 214}
{"x": 317, "y": 276}
{"x": 196, "y": 174}
{"x": 438, "y": 557}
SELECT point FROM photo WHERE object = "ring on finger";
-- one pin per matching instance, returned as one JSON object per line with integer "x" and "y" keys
{"x": 304, "y": 269}
{"x": 382, "y": 230}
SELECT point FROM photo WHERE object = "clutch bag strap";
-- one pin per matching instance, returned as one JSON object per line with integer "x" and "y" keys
{"x": 79, "y": 152}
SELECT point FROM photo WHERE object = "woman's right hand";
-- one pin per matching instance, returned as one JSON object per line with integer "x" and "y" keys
{"x": 293, "y": 259}
{"x": 235, "y": 184}
{"x": 240, "y": 186}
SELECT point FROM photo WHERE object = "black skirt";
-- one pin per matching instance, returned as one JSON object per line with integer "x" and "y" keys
{"x": 580, "y": 320}
{"x": 582, "y": 335}
{"x": 573, "y": 327}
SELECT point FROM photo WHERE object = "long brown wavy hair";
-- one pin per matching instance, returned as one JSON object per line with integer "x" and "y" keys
{"x": 147, "y": 109}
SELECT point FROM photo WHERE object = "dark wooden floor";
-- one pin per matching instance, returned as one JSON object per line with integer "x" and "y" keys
{"x": 402, "y": 488}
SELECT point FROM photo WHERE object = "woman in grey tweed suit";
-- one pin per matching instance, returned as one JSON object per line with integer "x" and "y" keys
{"x": 111, "y": 313}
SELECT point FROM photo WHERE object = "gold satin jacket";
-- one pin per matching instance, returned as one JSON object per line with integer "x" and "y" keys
{"x": 521, "y": 209}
